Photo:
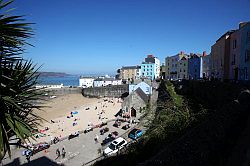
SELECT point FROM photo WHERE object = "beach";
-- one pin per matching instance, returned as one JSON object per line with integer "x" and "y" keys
{"x": 69, "y": 113}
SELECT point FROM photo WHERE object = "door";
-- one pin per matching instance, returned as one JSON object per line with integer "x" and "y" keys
{"x": 133, "y": 112}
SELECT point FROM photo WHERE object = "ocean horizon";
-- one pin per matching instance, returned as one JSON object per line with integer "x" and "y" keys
{"x": 69, "y": 80}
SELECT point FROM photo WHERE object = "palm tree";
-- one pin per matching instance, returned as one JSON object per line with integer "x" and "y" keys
{"x": 17, "y": 80}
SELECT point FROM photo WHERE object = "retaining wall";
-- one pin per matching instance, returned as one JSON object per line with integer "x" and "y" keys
{"x": 107, "y": 91}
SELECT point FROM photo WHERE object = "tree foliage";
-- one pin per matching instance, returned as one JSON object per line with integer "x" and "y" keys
{"x": 17, "y": 80}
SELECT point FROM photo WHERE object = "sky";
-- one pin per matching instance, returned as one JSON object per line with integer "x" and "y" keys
{"x": 100, "y": 36}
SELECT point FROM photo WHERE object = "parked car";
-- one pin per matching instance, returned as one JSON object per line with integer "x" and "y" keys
{"x": 112, "y": 136}
{"x": 135, "y": 133}
{"x": 117, "y": 124}
{"x": 40, "y": 147}
{"x": 104, "y": 130}
{"x": 88, "y": 130}
{"x": 107, "y": 140}
{"x": 116, "y": 145}
{"x": 76, "y": 134}
{"x": 125, "y": 127}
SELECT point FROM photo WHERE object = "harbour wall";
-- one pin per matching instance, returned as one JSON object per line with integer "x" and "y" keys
{"x": 106, "y": 91}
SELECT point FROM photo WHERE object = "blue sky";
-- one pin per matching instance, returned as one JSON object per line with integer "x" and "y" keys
{"x": 100, "y": 36}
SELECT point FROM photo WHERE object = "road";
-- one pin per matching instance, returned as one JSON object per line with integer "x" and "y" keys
{"x": 79, "y": 150}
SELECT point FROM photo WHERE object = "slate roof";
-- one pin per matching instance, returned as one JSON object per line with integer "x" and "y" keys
{"x": 142, "y": 95}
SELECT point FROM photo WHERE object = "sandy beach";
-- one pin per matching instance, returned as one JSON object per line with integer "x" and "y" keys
{"x": 84, "y": 111}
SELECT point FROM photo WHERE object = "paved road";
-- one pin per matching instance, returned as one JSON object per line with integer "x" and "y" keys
{"x": 79, "y": 150}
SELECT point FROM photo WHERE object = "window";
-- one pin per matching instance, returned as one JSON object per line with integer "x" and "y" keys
{"x": 180, "y": 70}
{"x": 247, "y": 55}
{"x": 234, "y": 44}
{"x": 184, "y": 70}
{"x": 147, "y": 73}
{"x": 184, "y": 64}
{"x": 150, "y": 73}
{"x": 195, "y": 70}
{"x": 248, "y": 36}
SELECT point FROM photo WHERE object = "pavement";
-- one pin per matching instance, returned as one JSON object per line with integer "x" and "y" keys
{"x": 79, "y": 150}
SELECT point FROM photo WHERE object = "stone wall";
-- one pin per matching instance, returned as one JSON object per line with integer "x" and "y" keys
{"x": 133, "y": 100}
{"x": 106, "y": 91}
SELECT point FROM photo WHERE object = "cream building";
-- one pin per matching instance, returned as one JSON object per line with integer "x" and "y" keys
{"x": 182, "y": 68}
{"x": 171, "y": 64}
{"x": 130, "y": 72}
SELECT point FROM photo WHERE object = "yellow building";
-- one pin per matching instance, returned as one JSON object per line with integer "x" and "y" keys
{"x": 130, "y": 72}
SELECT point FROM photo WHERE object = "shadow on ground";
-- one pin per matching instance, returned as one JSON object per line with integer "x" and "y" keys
{"x": 42, "y": 161}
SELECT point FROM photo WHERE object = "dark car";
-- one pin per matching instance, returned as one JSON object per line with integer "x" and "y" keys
{"x": 40, "y": 147}
{"x": 107, "y": 140}
{"x": 135, "y": 133}
{"x": 88, "y": 130}
{"x": 104, "y": 130}
{"x": 111, "y": 136}
{"x": 73, "y": 135}
{"x": 125, "y": 127}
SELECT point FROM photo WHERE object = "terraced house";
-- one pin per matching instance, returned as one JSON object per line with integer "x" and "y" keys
{"x": 150, "y": 68}
{"x": 171, "y": 63}
{"x": 129, "y": 73}
{"x": 239, "y": 63}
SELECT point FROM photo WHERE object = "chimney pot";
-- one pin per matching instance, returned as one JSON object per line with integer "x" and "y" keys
{"x": 204, "y": 53}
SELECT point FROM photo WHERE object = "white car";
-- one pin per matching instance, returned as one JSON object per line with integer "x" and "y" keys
{"x": 115, "y": 145}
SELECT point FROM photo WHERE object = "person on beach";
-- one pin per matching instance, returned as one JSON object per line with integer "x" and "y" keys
{"x": 96, "y": 138}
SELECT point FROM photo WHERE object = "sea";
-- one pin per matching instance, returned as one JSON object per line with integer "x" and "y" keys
{"x": 69, "y": 80}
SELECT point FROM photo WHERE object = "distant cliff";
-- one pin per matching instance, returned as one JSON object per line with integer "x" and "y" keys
{"x": 52, "y": 74}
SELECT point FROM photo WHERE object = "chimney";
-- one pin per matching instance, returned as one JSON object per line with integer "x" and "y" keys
{"x": 181, "y": 52}
{"x": 204, "y": 53}
{"x": 242, "y": 24}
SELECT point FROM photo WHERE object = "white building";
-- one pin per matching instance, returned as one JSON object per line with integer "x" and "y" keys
{"x": 86, "y": 82}
{"x": 99, "y": 82}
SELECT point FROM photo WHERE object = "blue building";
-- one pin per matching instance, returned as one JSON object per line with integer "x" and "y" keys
{"x": 147, "y": 70}
{"x": 195, "y": 66}
{"x": 150, "y": 68}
